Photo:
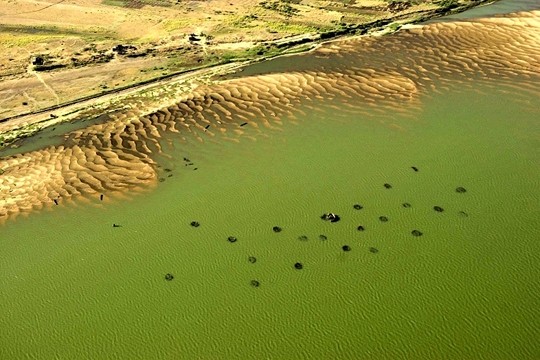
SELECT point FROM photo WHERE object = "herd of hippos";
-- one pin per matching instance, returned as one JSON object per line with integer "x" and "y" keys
{"x": 333, "y": 218}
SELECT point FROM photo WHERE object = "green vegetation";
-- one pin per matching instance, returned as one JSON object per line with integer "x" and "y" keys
{"x": 18, "y": 40}
{"x": 20, "y": 133}
{"x": 448, "y": 4}
{"x": 137, "y": 4}
{"x": 244, "y": 21}
{"x": 176, "y": 24}
{"x": 260, "y": 50}
{"x": 394, "y": 26}
{"x": 290, "y": 28}
{"x": 54, "y": 31}
{"x": 21, "y": 35}
{"x": 281, "y": 7}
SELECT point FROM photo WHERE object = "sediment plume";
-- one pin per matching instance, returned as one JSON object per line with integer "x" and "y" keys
{"x": 368, "y": 75}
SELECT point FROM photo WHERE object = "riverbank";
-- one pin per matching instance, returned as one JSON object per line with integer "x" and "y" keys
{"x": 153, "y": 93}
{"x": 120, "y": 151}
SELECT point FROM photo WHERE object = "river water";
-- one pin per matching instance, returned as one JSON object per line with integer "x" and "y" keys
{"x": 74, "y": 286}
{"x": 498, "y": 8}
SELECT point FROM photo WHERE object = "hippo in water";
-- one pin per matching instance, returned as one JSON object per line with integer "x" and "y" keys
{"x": 330, "y": 217}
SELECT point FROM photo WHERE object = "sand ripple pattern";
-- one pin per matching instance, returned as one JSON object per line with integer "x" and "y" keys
{"x": 364, "y": 76}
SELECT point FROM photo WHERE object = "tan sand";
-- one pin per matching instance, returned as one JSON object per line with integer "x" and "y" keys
{"x": 370, "y": 75}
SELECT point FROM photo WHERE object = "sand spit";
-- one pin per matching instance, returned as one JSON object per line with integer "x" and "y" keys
{"x": 361, "y": 76}
{"x": 52, "y": 176}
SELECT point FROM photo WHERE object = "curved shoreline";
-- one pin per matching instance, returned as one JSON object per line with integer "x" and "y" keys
{"x": 365, "y": 76}
{"x": 21, "y": 126}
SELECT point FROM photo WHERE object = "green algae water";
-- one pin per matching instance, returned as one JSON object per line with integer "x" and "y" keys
{"x": 72, "y": 286}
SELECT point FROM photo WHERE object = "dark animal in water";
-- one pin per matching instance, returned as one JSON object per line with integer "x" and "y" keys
{"x": 331, "y": 217}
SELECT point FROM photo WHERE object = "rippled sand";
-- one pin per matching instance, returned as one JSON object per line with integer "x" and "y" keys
{"x": 364, "y": 75}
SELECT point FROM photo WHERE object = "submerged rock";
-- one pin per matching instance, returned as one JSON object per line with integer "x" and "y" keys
{"x": 195, "y": 224}
{"x": 438, "y": 209}
{"x": 255, "y": 283}
{"x": 231, "y": 239}
{"x": 373, "y": 250}
{"x": 358, "y": 207}
{"x": 169, "y": 277}
{"x": 406, "y": 205}
{"x": 276, "y": 229}
{"x": 383, "y": 218}
{"x": 461, "y": 190}
{"x": 388, "y": 186}
{"x": 252, "y": 259}
{"x": 346, "y": 248}
{"x": 298, "y": 266}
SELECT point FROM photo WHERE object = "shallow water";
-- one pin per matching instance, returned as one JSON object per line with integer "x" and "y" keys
{"x": 72, "y": 284}
{"x": 497, "y": 8}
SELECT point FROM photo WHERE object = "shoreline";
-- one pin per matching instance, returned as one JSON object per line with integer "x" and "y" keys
{"x": 122, "y": 146}
{"x": 179, "y": 83}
